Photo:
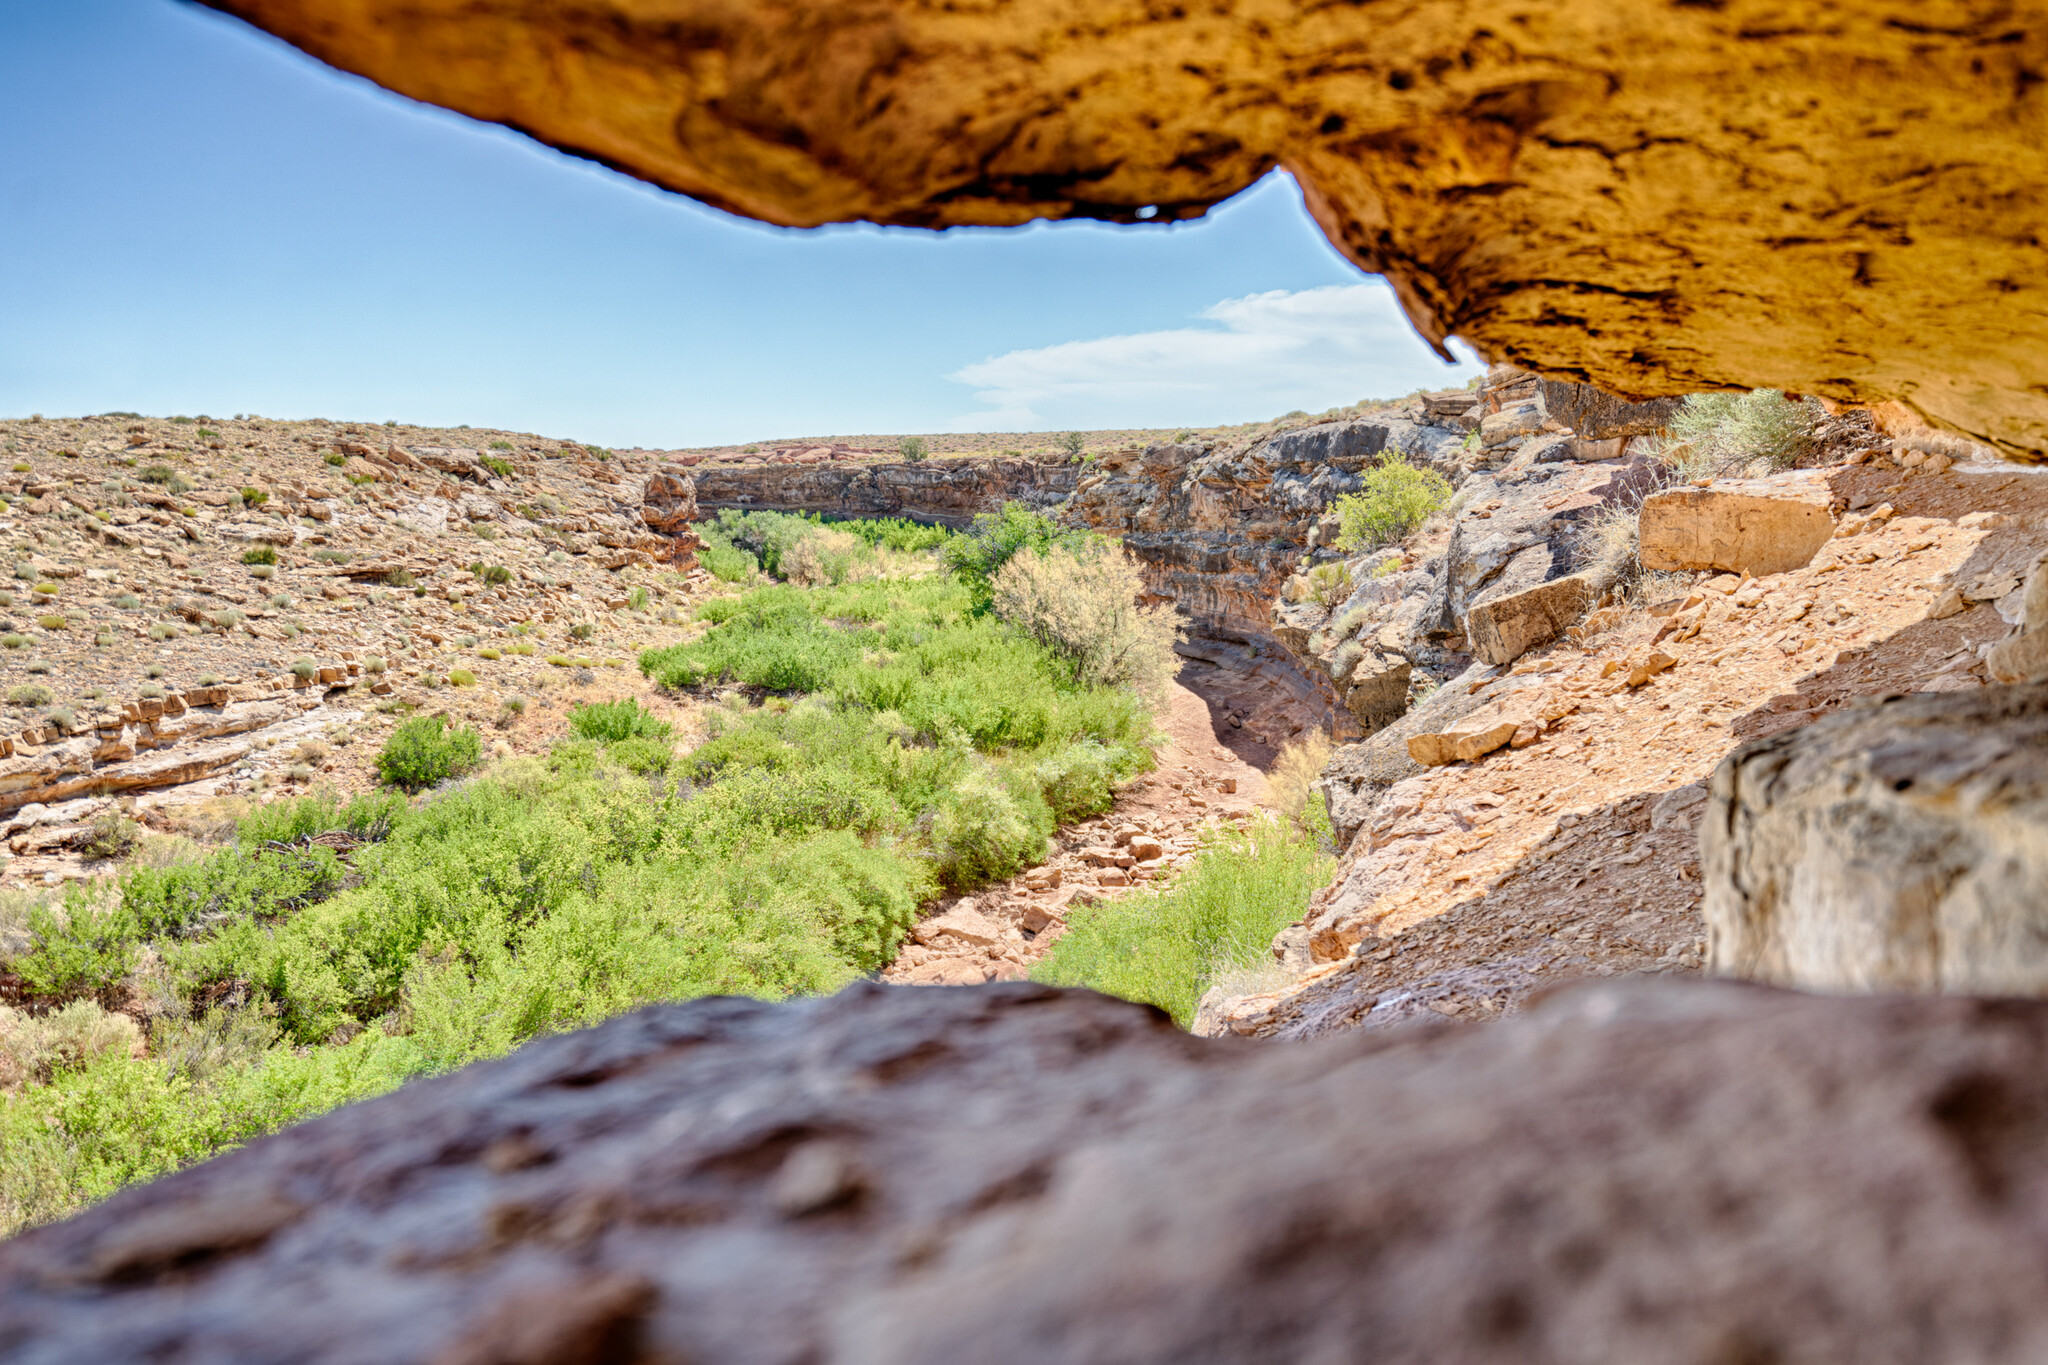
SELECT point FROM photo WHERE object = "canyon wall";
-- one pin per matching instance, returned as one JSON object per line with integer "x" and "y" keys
{"x": 947, "y": 491}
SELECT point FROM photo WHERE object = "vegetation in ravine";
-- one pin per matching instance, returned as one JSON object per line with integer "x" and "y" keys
{"x": 869, "y": 742}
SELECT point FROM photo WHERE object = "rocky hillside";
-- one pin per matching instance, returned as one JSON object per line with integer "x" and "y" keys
{"x": 214, "y": 609}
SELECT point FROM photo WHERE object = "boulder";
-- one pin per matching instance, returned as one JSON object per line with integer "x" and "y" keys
{"x": 1757, "y": 526}
{"x": 1477, "y": 735}
{"x": 1502, "y": 629}
{"x": 963, "y": 922}
{"x": 1640, "y": 1171}
{"x": 1376, "y": 689}
{"x": 1900, "y": 846}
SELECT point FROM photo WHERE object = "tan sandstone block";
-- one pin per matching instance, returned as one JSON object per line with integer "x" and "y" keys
{"x": 1505, "y": 628}
{"x": 1760, "y": 526}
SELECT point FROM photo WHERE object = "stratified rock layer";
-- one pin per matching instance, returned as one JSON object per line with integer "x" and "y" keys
{"x": 943, "y": 492}
{"x": 1656, "y": 198}
{"x": 1629, "y": 1173}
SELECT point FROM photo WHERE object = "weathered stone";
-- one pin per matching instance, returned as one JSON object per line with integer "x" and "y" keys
{"x": 1899, "y": 846}
{"x": 1599, "y": 417}
{"x": 1472, "y": 738}
{"x": 963, "y": 922}
{"x": 1638, "y": 1172}
{"x": 1758, "y": 526}
{"x": 1582, "y": 193}
{"x": 1502, "y": 629}
{"x": 1376, "y": 691}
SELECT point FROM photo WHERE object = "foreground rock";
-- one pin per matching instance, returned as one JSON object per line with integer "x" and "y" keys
{"x": 1639, "y": 1173}
{"x": 1900, "y": 846}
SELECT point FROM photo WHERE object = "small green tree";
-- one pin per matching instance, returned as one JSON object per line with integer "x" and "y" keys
{"x": 1397, "y": 498}
{"x": 1073, "y": 443}
{"x": 913, "y": 448}
{"x": 423, "y": 751}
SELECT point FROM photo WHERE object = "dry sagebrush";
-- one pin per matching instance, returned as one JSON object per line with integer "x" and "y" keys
{"x": 1085, "y": 609}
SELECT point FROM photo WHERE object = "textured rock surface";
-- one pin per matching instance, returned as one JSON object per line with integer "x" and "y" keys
{"x": 1656, "y": 198}
{"x": 946, "y": 492}
{"x": 1756, "y": 526}
{"x": 1901, "y": 846}
{"x": 1631, "y": 1172}
{"x": 1502, "y": 629}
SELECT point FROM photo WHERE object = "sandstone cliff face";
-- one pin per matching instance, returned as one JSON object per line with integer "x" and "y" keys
{"x": 1630, "y": 1173}
{"x": 1834, "y": 199}
{"x": 944, "y": 492}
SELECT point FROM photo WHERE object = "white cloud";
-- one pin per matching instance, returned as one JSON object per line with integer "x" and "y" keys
{"x": 1266, "y": 354}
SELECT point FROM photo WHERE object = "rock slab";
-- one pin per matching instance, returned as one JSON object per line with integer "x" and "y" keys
{"x": 1896, "y": 847}
{"x": 1631, "y": 1172}
{"x": 1757, "y": 526}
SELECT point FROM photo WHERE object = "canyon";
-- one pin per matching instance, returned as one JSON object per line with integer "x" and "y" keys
{"x": 1488, "y": 1111}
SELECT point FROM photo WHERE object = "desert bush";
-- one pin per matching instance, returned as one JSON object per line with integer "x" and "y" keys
{"x": 461, "y": 677}
{"x": 1073, "y": 443}
{"x": 1718, "y": 432}
{"x": 254, "y": 497}
{"x": 1084, "y": 609}
{"x": 824, "y": 557}
{"x": 1396, "y": 498}
{"x": 424, "y": 751}
{"x": 163, "y": 630}
{"x": 1291, "y": 784}
{"x": 610, "y": 722}
{"x": 1166, "y": 947}
{"x": 582, "y": 630}
{"x": 128, "y": 601}
{"x": 1329, "y": 584}
{"x": 995, "y": 538}
{"x": 913, "y": 448}
{"x": 15, "y": 640}
{"x": 334, "y": 458}
{"x": 28, "y": 694}
{"x": 1608, "y": 543}
{"x": 261, "y": 554}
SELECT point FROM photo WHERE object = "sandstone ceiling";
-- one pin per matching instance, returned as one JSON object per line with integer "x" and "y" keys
{"x": 1841, "y": 197}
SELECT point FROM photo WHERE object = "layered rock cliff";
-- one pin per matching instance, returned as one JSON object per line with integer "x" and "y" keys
{"x": 943, "y": 491}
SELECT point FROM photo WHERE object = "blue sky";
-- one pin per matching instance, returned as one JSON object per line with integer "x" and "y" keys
{"x": 195, "y": 218}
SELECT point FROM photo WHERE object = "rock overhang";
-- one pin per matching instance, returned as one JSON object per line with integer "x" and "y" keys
{"x": 1654, "y": 198}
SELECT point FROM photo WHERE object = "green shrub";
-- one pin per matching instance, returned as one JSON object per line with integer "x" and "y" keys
{"x": 582, "y": 630}
{"x": 128, "y": 601}
{"x": 977, "y": 556}
{"x": 261, "y": 554}
{"x": 423, "y": 751}
{"x": 373, "y": 664}
{"x": 54, "y": 622}
{"x": 502, "y": 468}
{"x": 163, "y": 630}
{"x": 461, "y": 677}
{"x": 14, "y": 640}
{"x": 1073, "y": 443}
{"x": 1167, "y": 947}
{"x": 610, "y": 722}
{"x": 1085, "y": 610}
{"x": 48, "y": 589}
{"x": 156, "y": 473}
{"x": 304, "y": 668}
{"x": 335, "y": 458}
{"x": 28, "y": 694}
{"x": 495, "y": 575}
{"x": 1720, "y": 431}
{"x": 1396, "y": 498}
{"x": 487, "y": 652}
{"x": 912, "y": 448}
{"x": 254, "y": 497}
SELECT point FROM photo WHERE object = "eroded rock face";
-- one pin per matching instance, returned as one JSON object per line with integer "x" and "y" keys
{"x": 944, "y": 492}
{"x": 1896, "y": 847}
{"x": 1630, "y": 1172}
{"x": 1833, "y": 199}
